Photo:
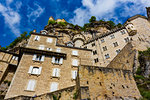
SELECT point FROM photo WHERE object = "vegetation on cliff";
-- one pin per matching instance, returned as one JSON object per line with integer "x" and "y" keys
{"x": 142, "y": 76}
{"x": 22, "y": 36}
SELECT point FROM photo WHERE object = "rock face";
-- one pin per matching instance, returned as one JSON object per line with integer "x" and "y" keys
{"x": 144, "y": 61}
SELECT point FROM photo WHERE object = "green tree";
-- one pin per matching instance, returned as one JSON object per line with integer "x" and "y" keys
{"x": 93, "y": 19}
{"x": 111, "y": 24}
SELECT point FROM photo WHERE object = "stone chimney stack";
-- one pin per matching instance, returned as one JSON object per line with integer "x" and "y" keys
{"x": 148, "y": 12}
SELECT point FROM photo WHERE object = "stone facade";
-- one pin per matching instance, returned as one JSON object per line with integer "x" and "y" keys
{"x": 48, "y": 63}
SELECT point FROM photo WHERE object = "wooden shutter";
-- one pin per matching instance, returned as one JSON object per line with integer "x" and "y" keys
{"x": 74, "y": 74}
{"x": 58, "y": 72}
{"x": 54, "y": 72}
{"x": 61, "y": 61}
{"x": 30, "y": 69}
{"x": 40, "y": 69}
{"x": 54, "y": 86}
{"x": 53, "y": 59}
{"x": 34, "y": 57}
{"x": 43, "y": 56}
{"x": 75, "y": 62}
{"x": 31, "y": 85}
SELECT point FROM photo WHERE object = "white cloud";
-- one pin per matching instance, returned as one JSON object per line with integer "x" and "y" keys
{"x": 33, "y": 14}
{"x": 106, "y": 9}
{"x": 11, "y": 17}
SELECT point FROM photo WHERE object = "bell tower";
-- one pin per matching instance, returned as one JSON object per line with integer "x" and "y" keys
{"x": 148, "y": 12}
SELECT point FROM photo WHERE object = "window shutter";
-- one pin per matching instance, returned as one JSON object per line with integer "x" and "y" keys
{"x": 74, "y": 52}
{"x": 54, "y": 71}
{"x": 58, "y": 72}
{"x": 43, "y": 56}
{"x": 61, "y": 61}
{"x": 75, "y": 62}
{"x": 30, "y": 69}
{"x": 40, "y": 69}
{"x": 34, "y": 57}
{"x": 31, "y": 85}
{"x": 74, "y": 74}
{"x": 54, "y": 86}
{"x": 53, "y": 59}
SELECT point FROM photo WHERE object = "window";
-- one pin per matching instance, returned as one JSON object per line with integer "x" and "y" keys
{"x": 58, "y": 50}
{"x": 49, "y": 40}
{"x": 49, "y": 49}
{"x": 41, "y": 47}
{"x": 15, "y": 58}
{"x": 37, "y": 38}
{"x": 104, "y": 48}
{"x": 93, "y": 44}
{"x": 57, "y": 60}
{"x": 123, "y": 32}
{"x": 54, "y": 86}
{"x": 115, "y": 44}
{"x": 96, "y": 60}
{"x": 56, "y": 72}
{"x": 107, "y": 56}
{"x": 112, "y": 36}
{"x": 74, "y": 74}
{"x": 126, "y": 39}
{"x": 85, "y": 47}
{"x": 94, "y": 52}
{"x": 75, "y": 53}
{"x": 117, "y": 51}
{"x": 35, "y": 70}
{"x": 31, "y": 85}
{"x": 75, "y": 62}
{"x": 102, "y": 40}
{"x": 38, "y": 57}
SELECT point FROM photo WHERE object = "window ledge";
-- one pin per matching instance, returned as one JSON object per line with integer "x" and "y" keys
{"x": 56, "y": 64}
{"x": 38, "y": 61}
{"x": 30, "y": 90}
{"x": 55, "y": 77}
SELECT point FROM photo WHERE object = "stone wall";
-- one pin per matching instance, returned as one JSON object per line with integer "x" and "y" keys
{"x": 108, "y": 83}
{"x": 125, "y": 59}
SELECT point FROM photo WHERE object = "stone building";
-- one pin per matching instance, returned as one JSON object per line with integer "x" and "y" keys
{"x": 69, "y": 63}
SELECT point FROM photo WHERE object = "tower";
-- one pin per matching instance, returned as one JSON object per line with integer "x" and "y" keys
{"x": 148, "y": 12}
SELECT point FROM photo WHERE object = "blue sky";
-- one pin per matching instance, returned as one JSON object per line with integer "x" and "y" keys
{"x": 17, "y": 16}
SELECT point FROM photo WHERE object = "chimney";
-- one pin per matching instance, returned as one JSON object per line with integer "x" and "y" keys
{"x": 148, "y": 12}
